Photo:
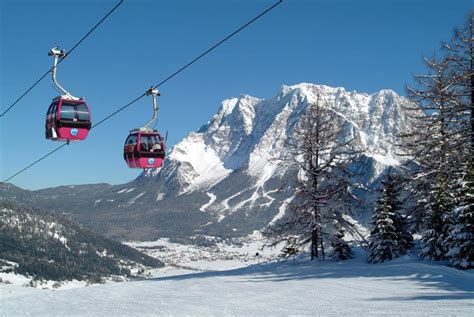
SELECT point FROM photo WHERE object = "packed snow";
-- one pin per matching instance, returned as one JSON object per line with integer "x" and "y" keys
{"x": 197, "y": 281}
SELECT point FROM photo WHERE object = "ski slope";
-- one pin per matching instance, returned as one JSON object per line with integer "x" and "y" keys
{"x": 405, "y": 286}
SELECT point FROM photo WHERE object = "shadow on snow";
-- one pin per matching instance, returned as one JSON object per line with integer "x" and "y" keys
{"x": 458, "y": 285}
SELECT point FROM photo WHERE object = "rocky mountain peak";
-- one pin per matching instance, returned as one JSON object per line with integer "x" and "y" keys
{"x": 249, "y": 131}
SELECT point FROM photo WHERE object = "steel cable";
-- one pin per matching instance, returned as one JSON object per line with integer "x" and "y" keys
{"x": 66, "y": 55}
{"x": 156, "y": 86}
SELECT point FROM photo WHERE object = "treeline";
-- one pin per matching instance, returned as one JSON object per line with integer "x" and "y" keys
{"x": 47, "y": 246}
{"x": 442, "y": 147}
{"x": 432, "y": 194}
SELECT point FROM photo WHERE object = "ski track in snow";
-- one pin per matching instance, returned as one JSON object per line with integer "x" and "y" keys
{"x": 132, "y": 201}
{"x": 221, "y": 217}
{"x": 225, "y": 205}
{"x": 225, "y": 202}
{"x": 160, "y": 196}
{"x": 281, "y": 211}
{"x": 267, "y": 196}
{"x": 211, "y": 201}
{"x": 405, "y": 286}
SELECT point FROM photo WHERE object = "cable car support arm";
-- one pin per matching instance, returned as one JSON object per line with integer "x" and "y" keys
{"x": 56, "y": 53}
{"x": 154, "y": 92}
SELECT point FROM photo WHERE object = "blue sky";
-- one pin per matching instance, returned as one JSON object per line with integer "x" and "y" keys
{"x": 364, "y": 45}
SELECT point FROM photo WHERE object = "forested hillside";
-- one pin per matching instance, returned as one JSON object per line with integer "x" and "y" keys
{"x": 46, "y": 246}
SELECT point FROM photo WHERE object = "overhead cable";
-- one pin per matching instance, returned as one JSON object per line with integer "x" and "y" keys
{"x": 64, "y": 57}
{"x": 156, "y": 86}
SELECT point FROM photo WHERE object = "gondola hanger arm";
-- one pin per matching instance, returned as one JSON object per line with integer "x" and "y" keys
{"x": 153, "y": 91}
{"x": 59, "y": 54}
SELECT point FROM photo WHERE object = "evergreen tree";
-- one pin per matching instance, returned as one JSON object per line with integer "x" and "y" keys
{"x": 382, "y": 239}
{"x": 340, "y": 248}
{"x": 435, "y": 223}
{"x": 389, "y": 237}
{"x": 460, "y": 240}
{"x": 404, "y": 237}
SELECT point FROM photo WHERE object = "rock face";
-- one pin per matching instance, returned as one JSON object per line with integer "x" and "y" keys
{"x": 227, "y": 178}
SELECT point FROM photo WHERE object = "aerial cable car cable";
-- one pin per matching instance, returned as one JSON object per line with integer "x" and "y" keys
{"x": 65, "y": 55}
{"x": 35, "y": 162}
{"x": 218, "y": 44}
{"x": 191, "y": 62}
{"x": 156, "y": 86}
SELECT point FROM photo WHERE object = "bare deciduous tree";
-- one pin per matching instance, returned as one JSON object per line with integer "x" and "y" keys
{"x": 321, "y": 152}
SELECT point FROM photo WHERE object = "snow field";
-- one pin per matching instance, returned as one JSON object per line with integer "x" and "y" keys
{"x": 231, "y": 280}
{"x": 403, "y": 287}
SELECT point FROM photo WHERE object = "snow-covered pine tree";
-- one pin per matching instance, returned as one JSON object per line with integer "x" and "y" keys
{"x": 435, "y": 223}
{"x": 389, "y": 236}
{"x": 392, "y": 183}
{"x": 340, "y": 248}
{"x": 382, "y": 238}
{"x": 460, "y": 240}
{"x": 404, "y": 236}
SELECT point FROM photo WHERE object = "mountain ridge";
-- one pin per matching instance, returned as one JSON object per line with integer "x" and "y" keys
{"x": 227, "y": 178}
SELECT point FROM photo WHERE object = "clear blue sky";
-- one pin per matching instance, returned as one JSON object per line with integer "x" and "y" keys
{"x": 364, "y": 45}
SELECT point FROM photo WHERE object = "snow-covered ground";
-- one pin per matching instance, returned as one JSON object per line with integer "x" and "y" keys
{"x": 405, "y": 286}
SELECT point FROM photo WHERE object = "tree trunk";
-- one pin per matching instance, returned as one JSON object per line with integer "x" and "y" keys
{"x": 322, "y": 246}
{"x": 314, "y": 242}
{"x": 314, "y": 165}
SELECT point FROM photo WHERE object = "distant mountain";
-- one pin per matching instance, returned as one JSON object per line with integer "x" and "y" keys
{"x": 47, "y": 246}
{"x": 227, "y": 179}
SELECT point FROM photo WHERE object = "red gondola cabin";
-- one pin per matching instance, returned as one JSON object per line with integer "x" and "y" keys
{"x": 144, "y": 149}
{"x": 67, "y": 120}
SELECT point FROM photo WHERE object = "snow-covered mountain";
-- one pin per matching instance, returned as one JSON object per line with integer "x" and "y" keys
{"x": 236, "y": 158}
{"x": 227, "y": 178}
{"x": 249, "y": 134}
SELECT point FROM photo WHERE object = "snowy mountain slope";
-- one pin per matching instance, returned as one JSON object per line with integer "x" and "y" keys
{"x": 252, "y": 131}
{"x": 227, "y": 179}
{"x": 243, "y": 179}
{"x": 44, "y": 245}
{"x": 405, "y": 286}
